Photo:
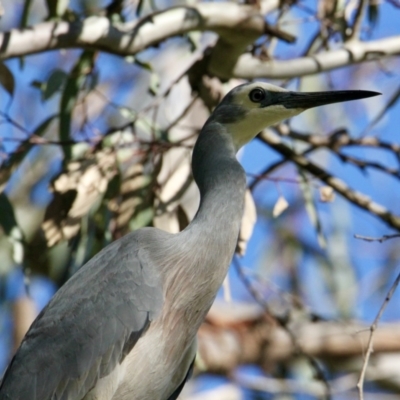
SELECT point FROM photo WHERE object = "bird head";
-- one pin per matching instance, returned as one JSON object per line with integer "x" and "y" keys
{"x": 249, "y": 108}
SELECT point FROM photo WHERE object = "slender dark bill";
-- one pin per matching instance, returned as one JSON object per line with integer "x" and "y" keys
{"x": 315, "y": 99}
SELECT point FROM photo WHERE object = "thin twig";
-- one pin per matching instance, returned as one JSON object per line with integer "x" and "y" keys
{"x": 357, "y": 198}
{"x": 260, "y": 177}
{"x": 283, "y": 323}
{"x": 254, "y": 293}
{"x": 182, "y": 114}
{"x": 355, "y": 32}
{"x": 379, "y": 239}
{"x": 373, "y": 327}
{"x": 334, "y": 142}
{"x": 341, "y": 138}
{"x": 363, "y": 165}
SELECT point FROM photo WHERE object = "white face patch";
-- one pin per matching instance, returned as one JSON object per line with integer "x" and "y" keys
{"x": 256, "y": 120}
{"x": 256, "y": 117}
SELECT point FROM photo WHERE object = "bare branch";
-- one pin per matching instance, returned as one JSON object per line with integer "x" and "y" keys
{"x": 236, "y": 23}
{"x": 358, "y": 20}
{"x": 380, "y": 239}
{"x": 334, "y": 142}
{"x": 362, "y": 164}
{"x": 373, "y": 327}
{"x": 341, "y": 138}
{"x": 249, "y": 67}
{"x": 357, "y": 198}
{"x": 283, "y": 323}
{"x": 223, "y": 345}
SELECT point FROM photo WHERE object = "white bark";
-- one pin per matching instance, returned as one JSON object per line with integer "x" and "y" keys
{"x": 237, "y": 27}
{"x": 233, "y": 22}
{"x": 249, "y": 67}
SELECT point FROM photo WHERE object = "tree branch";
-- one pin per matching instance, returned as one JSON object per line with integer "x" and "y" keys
{"x": 249, "y": 67}
{"x": 341, "y": 138}
{"x": 231, "y": 21}
{"x": 334, "y": 142}
{"x": 372, "y": 336}
{"x": 377, "y": 239}
{"x": 255, "y": 340}
{"x": 356, "y": 29}
{"x": 236, "y": 25}
{"x": 357, "y": 198}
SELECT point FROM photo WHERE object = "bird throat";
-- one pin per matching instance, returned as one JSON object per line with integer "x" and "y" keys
{"x": 207, "y": 245}
{"x": 212, "y": 235}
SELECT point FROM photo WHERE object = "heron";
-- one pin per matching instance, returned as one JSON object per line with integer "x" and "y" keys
{"x": 124, "y": 326}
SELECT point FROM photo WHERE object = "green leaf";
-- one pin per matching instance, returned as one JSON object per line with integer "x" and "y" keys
{"x": 57, "y": 8}
{"x": 154, "y": 83}
{"x": 130, "y": 59}
{"x": 55, "y": 82}
{"x": 143, "y": 64}
{"x": 94, "y": 80}
{"x": 148, "y": 127}
{"x": 141, "y": 219}
{"x": 7, "y": 217}
{"x": 194, "y": 40}
{"x": 79, "y": 150}
{"x": 62, "y": 6}
{"x": 373, "y": 13}
{"x": 74, "y": 84}
{"x": 127, "y": 113}
{"x": 343, "y": 278}
{"x": 11, "y": 164}
{"x": 113, "y": 187}
{"x": 7, "y": 79}
{"x": 11, "y": 228}
{"x": 311, "y": 209}
{"x": 115, "y": 10}
{"x": 38, "y": 85}
{"x": 25, "y": 14}
{"x": 139, "y": 8}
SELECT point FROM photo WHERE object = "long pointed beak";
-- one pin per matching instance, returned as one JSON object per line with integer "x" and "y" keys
{"x": 314, "y": 99}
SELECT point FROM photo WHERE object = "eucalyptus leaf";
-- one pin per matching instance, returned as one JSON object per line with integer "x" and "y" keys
{"x": 7, "y": 79}
{"x": 73, "y": 85}
{"x": 25, "y": 13}
{"x": 57, "y": 8}
{"x": 154, "y": 84}
{"x": 55, "y": 82}
{"x": 311, "y": 208}
{"x": 7, "y": 217}
{"x": 143, "y": 64}
{"x": 373, "y": 13}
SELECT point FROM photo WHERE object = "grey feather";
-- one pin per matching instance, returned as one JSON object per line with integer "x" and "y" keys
{"x": 111, "y": 301}
{"x": 178, "y": 390}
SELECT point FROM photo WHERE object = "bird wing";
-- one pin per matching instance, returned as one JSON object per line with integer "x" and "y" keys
{"x": 89, "y": 326}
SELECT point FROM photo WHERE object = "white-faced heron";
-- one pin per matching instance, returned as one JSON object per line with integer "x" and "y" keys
{"x": 124, "y": 326}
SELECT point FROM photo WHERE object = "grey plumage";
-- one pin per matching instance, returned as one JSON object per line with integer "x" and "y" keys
{"x": 124, "y": 326}
{"x": 101, "y": 335}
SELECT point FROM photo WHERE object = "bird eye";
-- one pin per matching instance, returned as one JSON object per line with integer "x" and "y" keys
{"x": 257, "y": 95}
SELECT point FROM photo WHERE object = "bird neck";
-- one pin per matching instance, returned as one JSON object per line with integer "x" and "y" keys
{"x": 222, "y": 184}
{"x": 208, "y": 243}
